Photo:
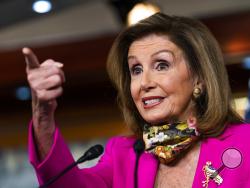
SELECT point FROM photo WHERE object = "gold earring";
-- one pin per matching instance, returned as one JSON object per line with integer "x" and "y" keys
{"x": 196, "y": 92}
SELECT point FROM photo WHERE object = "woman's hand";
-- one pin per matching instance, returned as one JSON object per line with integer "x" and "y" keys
{"x": 45, "y": 81}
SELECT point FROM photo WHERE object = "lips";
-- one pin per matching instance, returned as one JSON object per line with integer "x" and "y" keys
{"x": 149, "y": 102}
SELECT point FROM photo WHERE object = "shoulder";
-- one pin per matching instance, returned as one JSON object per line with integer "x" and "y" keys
{"x": 234, "y": 136}
{"x": 232, "y": 146}
{"x": 237, "y": 130}
{"x": 119, "y": 143}
{"x": 123, "y": 140}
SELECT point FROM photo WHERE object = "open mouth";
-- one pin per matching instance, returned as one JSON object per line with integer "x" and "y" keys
{"x": 151, "y": 101}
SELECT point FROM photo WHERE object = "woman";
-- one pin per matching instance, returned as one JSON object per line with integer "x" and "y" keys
{"x": 174, "y": 93}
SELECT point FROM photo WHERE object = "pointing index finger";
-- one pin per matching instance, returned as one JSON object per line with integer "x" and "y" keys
{"x": 30, "y": 58}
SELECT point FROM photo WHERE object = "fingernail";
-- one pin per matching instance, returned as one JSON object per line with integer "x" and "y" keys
{"x": 59, "y": 65}
{"x": 25, "y": 50}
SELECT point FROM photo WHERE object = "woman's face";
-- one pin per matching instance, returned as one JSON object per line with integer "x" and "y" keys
{"x": 161, "y": 84}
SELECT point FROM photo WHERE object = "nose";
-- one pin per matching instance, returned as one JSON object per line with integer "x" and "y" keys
{"x": 147, "y": 81}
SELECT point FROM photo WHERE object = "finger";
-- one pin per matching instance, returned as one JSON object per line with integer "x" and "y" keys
{"x": 47, "y": 95}
{"x": 49, "y": 83}
{"x": 51, "y": 62}
{"x": 30, "y": 58}
{"x": 42, "y": 73}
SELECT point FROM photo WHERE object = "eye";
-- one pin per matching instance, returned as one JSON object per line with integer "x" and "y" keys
{"x": 136, "y": 69}
{"x": 162, "y": 65}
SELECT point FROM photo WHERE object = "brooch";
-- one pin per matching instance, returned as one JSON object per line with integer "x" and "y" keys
{"x": 210, "y": 174}
{"x": 231, "y": 158}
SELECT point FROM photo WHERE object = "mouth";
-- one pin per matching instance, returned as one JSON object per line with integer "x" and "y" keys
{"x": 149, "y": 102}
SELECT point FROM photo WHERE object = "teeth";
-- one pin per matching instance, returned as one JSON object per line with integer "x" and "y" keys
{"x": 148, "y": 102}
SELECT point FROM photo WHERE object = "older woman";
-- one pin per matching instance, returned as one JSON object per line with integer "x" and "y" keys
{"x": 175, "y": 96}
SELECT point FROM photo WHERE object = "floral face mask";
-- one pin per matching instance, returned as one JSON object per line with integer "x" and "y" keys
{"x": 169, "y": 140}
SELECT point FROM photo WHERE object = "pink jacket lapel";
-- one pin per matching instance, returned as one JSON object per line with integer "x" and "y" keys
{"x": 148, "y": 166}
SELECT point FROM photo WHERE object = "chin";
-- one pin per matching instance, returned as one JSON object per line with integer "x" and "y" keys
{"x": 156, "y": 121}
{"x": 160, "y": 118}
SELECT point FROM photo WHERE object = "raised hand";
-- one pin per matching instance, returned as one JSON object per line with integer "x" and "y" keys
{"x": 45, "y": 81}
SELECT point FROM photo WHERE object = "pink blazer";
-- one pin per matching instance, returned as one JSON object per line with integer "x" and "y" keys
{"x": 116, "y": 166}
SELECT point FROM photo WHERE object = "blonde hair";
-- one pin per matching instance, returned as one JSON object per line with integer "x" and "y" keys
{"x": 205, "y": 60}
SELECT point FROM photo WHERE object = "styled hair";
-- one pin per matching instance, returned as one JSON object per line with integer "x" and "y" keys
{"x": 204, "y": 58}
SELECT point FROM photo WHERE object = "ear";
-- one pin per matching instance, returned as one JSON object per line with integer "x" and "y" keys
{"x": 198, "y": 89}
{"x": 199, "y": 83}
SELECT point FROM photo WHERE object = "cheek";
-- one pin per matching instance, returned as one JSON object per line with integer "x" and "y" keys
{"x": 169, "y": 85}
{"x": 187, "y": 86}
{"x": 176, "y": 87}
{"x": 133, "y": 90}
{"x": 183, "y": 91}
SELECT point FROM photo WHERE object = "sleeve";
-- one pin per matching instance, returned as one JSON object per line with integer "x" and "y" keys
{"x": 59, "y": 157}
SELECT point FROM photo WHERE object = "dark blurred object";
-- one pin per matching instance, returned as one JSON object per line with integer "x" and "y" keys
{"x": 122, "y": 7}
{"x": 247, "y": 115}
{"x": 15, "y": 11}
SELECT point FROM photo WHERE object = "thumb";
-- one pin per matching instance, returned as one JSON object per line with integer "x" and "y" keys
{"x": 30, "y": 58}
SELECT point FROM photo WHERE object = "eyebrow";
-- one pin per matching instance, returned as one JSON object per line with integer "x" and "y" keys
{"x": 154, "y": 54}
{"x": 161, "y": 51}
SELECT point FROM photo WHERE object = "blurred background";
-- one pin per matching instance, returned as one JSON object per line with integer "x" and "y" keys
{"x": 79, "y": 33}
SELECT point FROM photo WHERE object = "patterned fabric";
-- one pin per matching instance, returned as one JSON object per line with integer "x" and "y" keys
{"x": 169, "y": 140}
